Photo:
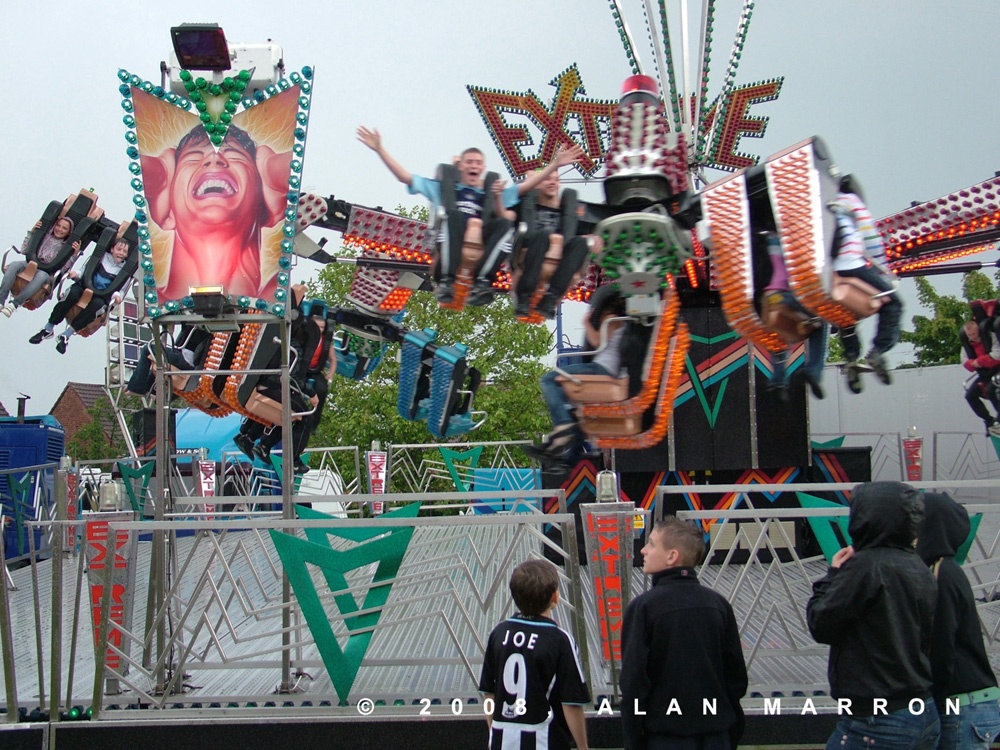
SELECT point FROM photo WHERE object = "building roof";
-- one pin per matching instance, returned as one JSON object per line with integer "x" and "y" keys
{"x": 88, "y": 393}
{"x": 3, "y": 412}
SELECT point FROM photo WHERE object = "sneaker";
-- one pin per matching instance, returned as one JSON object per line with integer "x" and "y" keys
{"x": 444, "y": 291}
{"x": 245, "y": 444}
{"x": 853, "y": 372}
{"x": 300, "y": 466}
{"x": 62, "y": 343}
{"x": 880, "y": 366}
{"x": 262, "y": 452}
{"x": 547, "y": 306}
{"x": 482, "y": 293}
{"x": 8, "y": 309}
{"x": 994, "y": 430}
{"x": 523, "y": 308}
{"x": 814, "y": 386}
{"x": 40, "y": 336}
{"x": 779, "y": 393}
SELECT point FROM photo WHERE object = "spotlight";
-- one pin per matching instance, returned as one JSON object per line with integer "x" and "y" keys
{"x": 200, "y": 46}
{"x": 209, "y": 301}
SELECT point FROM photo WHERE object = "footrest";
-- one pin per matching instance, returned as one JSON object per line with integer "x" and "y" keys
{"x": 413, "y": 370}
{"x": 594, "y": 389}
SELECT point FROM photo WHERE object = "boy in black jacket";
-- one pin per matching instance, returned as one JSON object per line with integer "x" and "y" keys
{"x": 962, "y": 673}
{"x": 683, "y": 672}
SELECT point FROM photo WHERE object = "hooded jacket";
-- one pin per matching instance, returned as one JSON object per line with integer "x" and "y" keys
{"x": 958, "y": 657}
{"x": 876, "y": 611}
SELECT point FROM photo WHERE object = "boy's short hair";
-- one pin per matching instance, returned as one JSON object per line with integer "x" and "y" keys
{"x": 470, "y": 150}
{"x": 532, "y": 584}
{"x": 683, "y": 536}
{"x": 970, "y": 326}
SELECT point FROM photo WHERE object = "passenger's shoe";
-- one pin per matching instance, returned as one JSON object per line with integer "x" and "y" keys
{"x": 547, "y": 306}
{"x": 62, "y": 343}
{"x": 444, "y": 290}
{"x": 300, "y": 466}
{"x": 262, "y": 452}
{"x": 779, "y": 393}
{"x": 40, "y": 336}
{"x": 245, "y": 444}
{"x": 523, "y": 308}
{"x": 994, "y": 430}
{"x": 8, "y": 309}
{"x": 853, "y": 372}
{"x": 881, "y": 368}
{"x": 814, "y": 386}
{"x": 482, "y": 293}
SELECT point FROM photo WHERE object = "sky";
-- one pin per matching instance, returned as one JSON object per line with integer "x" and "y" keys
{"x": 902, "y": 91}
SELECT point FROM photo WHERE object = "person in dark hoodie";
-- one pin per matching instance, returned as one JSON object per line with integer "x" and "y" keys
{"x": 961, "y": 671}
{"x": 875, "y": 607}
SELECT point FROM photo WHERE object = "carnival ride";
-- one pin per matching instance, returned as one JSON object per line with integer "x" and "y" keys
{"x": 654, "y": 246}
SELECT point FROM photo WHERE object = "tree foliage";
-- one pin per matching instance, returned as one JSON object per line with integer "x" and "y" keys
{"x": 507, "y": 353}
{"x": 100, "y": 438}
{"x": 935, "y": 338}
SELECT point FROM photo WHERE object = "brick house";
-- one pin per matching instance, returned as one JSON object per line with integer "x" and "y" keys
{"x": 71, "y": 407}
{"x": 3, "y": 412}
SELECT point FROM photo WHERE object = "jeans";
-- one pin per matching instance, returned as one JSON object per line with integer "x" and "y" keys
{"x": 143, "y": 378}
{"x": 973, "y": 727}
{"x": 900, "y": 730}
{"x": 555, "y": 396}
{"x": 815, "y": 350}
{"x": 13, "y": 269}
{"x": 889, "y": 316}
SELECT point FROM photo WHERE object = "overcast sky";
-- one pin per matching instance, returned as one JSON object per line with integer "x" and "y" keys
{"x": 903, "y": 91}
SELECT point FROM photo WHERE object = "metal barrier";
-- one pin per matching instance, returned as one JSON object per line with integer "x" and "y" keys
{"x": 390, "y": 609}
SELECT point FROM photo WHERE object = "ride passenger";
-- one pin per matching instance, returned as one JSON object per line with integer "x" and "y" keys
{"x": 546, "y": 219}
{"x": 104, "y": 276}
{"x": 984, "y": 361}
{"x": 860, "y": 243}
{"x": 48, "y": 249}
{"x": 532, "y": 673}
{"x": 812, "y": 371}
{"x": 470, "y": 202}
{"x": 565, "y": 443}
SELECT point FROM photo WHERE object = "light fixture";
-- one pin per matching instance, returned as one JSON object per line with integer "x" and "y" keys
{"x": 209, "y": 301}
{"x": 200, "y": 46}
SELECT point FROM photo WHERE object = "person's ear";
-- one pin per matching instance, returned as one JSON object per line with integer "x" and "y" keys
{"x": 555, "y": 599}
{"x": 273, "y": 168}
{"x": 157, "y": 174}
{"x": 673, "y": 557}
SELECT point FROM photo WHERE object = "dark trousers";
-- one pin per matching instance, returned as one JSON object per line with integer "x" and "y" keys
{"x": 86, "y": 316}
{"x": 889, "y": 316}
{"x": 574, "y": 254}
{"x": 497, "y": 235}
{"x": 981, "y": 388}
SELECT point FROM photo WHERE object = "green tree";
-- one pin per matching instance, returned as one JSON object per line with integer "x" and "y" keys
{"x": 100, "y": 438}
{"x": 507, "y": 353}
{"x": 935, "y": 338}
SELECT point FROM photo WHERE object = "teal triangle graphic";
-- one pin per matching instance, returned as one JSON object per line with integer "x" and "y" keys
{"x": 823, "y": 445}
{"x": 145, "y": 473}
{"x": 711, "y": 414}
{"x": 450, "y": 457}
{"x": 379, "y": 544}
{"x": 823, "y": 528}
{"x": 19, "y": 499}
{"x": 963, "y": 552}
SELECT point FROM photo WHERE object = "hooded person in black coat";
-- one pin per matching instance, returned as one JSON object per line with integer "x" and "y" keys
{"x": 965, "y": 688}
{"x": 875, "y": 607}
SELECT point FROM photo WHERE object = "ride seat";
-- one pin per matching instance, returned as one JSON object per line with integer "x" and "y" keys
{"x": 858, "y": 296}
{"x": 790, "y": 324}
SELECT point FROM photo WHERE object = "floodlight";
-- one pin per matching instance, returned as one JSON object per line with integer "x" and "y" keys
{"x": 201, "y": 46}
{"x": 209, "y": 301}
